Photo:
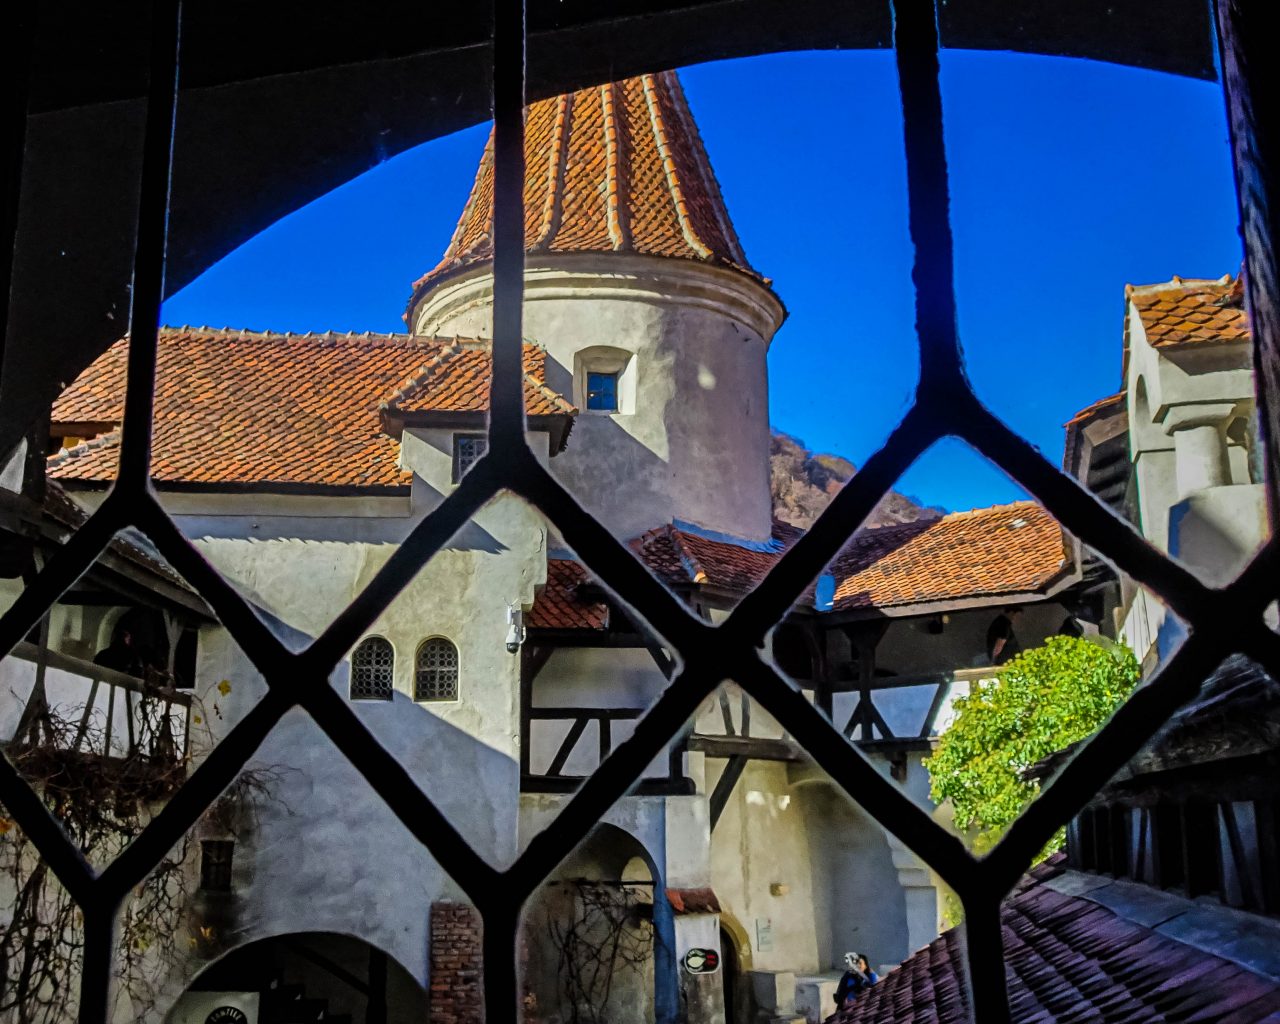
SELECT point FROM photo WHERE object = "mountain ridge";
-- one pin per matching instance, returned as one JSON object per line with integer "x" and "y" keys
{"x": 802, "y": 484}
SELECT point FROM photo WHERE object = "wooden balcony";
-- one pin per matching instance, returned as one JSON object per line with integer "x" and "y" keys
{"x": 63, "y": 704}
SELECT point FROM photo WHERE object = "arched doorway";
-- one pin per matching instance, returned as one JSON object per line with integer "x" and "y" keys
{"x": 729, "y": 974}
{"x": 598, "y": 937}
{"x": 322, "y": 977}
{"x": 735, "y": 962}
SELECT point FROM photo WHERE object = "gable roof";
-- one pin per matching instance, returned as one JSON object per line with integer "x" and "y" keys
{"x": 247, "y": 408}
{"x": 1190, "y": 312}
{"x": 618, "y": 167}
{"x": 989, "y": 552}
{"x": 1073, "y": 958}
{"x": 565, "y": 601}
{"x": 1002, "y": 550}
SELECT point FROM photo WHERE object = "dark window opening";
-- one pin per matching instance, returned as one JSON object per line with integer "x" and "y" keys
{"x": 184, "y": 659}
{"x": 468, "y": 449}
{"x": 372, "y": 670}
{"x": 436, "y": 671}
{"x": 1121, "y": 827}
{"x": 1170, "y": 871}
{"x": 215, "y": 864}
{"x": 602, "y": 392}
{"x": 1200, "y": 848}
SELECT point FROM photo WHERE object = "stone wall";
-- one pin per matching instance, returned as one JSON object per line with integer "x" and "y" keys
{"x": 456, "y": 995}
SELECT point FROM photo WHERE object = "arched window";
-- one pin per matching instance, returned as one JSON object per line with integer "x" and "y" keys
{"x": 435, "y": 674}
{"x": 372, "y": 667}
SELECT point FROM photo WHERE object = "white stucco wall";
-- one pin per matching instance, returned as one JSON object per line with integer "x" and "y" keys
{"x": 576, "y": 677}
{"x": 696, "y": 446}
{"x": 324, "y": 853}
{"x": 1166, "y": 388}
{"x": 762, "y": 839}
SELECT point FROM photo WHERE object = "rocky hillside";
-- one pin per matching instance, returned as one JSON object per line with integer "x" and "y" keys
{"x": 803, "y": 484}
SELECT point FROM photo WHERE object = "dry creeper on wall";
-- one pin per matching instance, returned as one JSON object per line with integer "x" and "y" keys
{"x": 102, "y": 803}
{"x": 601, "y": 929}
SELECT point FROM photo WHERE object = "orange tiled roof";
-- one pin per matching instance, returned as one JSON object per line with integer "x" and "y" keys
{"x": 1006, "y": 549}
{"x": 680, "y": 557}
{"x": 1101, "y": 407}
{"x": 1084, "y": 957}
{"x": 1191, "y": 312}
{"x": 618, "y": 167}
{"x": 562, "y": 603}
{"x": 988, "y": 552}
{"x": 242, "y": 407}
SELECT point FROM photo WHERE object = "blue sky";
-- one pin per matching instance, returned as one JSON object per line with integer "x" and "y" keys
{"x": 1069, "y": 179}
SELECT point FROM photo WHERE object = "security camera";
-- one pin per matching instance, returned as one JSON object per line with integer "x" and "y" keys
{"x": 515, "y": 629}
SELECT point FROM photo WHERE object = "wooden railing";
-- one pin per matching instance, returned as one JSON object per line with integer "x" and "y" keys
{"x": 730, "y": 734}
{"x": 867, "y": 719}
{"x": 554, "y": 779}
{"x": 145, "y": 724}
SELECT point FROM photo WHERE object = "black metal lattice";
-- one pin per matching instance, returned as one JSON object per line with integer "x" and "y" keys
{"x": 1220, "y": 620}
{"x": 373, "y": 666}
{"x": 435, "y": 670}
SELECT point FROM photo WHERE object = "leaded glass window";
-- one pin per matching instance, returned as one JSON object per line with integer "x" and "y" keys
{"x": 602, "y": 392}
{"x": 436, "y": 671}
{"x": 215, "y": 864}
{"x": 372, "y": 670}
{"x": 467, "y": 451}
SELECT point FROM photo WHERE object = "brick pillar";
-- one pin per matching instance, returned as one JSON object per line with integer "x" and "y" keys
{"x": 456, "y": 994}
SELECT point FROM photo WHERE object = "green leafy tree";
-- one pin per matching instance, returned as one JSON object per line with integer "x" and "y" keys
{"x": 1043, "y": 701}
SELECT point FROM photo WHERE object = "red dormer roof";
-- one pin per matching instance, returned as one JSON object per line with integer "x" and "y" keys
{"x": 998, "y": 552}
{"x": 246, "y": 408}
{"x": 618, "y": 167}
{"x": 987, "y": 552}
{"x": 1191, "y": 312}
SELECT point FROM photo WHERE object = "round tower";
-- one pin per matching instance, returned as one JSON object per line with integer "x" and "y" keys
{"x": 636, "y": 284}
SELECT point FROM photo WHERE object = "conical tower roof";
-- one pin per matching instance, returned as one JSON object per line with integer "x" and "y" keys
{"x": 618, "y": 167}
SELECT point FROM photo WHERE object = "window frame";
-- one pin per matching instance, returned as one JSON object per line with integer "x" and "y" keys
{"x": 612, "y": 392}
{"x": 217, "y": 871}
{"x": 391, "y": 682}
{"x": 611, "y": 360}
{"x": 457, "y": 439}
{"x": 418, "y": 669}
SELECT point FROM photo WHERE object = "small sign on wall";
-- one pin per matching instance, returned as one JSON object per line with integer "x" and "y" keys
{"x": 702, "y": 961}
{"x": 764, "y": 934}
{"x": 216, "y": 1008}
{"x": 227, "y": 1015}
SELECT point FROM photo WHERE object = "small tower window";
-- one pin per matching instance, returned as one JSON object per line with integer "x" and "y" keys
{"x": 436, "y": 671}
{"x": 602, "y": 391}
{"x": 372, "y": 669}
{"x": 215, "y": 864}
{"x": 468, "y": 449}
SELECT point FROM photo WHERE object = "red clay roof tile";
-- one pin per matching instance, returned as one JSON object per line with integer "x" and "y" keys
{"x": 242, "y": 407}
{"x": 1191, "y": 312}
{"x": 563, "y": 603}
{"x": 618, "y": 167}
{"x": 1069, "y": 959}
{"x": 1000, "y": 551}
{"x": 1006, "y": 549}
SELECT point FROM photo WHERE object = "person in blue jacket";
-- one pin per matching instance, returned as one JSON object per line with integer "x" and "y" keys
{"x": 857, "y": 976}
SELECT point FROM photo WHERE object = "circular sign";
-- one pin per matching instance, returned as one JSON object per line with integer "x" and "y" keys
{"x": 227, "y": 1015}
{"x": 702, "y": 961}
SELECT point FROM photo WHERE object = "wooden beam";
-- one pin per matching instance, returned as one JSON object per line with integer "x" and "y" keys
{"x": 566, "y": 713}
{"x": 935, "y": 706}
{"x": 725, "y": 785}
{"x": 874, "y": 718}
{"x": 566, "y": 748}
{"x": 739, "y": 746}
{"x": 725, "y": 713}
